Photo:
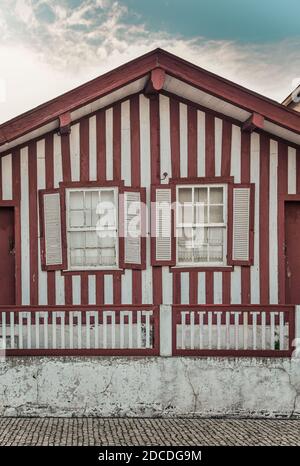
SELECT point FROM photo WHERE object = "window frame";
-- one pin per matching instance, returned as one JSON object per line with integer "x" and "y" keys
{"x": 85, "y": 188}
{"x": 225, "y": 225}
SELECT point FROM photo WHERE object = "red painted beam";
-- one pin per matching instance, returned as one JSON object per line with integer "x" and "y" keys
{"x": 78, "y": 97}
{"x": 142, "y": 66}
{"x": 155, "y": 83}
{"x": 229, "y": 91}
{"x": 65, "y": 123}
{"x": 256, "y": 121}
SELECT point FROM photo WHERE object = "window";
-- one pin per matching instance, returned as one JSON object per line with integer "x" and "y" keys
{"x": 201, "y": 225}
{"x": 92, "y": 236}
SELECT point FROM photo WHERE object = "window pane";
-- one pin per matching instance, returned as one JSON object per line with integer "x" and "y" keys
{"x": 106, "y": 209}
{"x": 201, "y": 195}
{"x": 201, "y": 213}
{"x": 77, "y": 240}
{"x": 185, "y": 195}
{"x": 185, "y": 244}
{"x": 200, "y": 245}
{"x": 216, "y": 195}
{"x": 76, "y": 200}
{"x": 200, "y": 253}
{"x": 215, "y": 238}
{"x": 107, "y": 196}
{"x": 216, "y": 214}
{"x": 77, "y": 257}
{"x": 76, "y": 218}
{"x": 108, "y": 256}
{"x": 92, "y": 256}
{"x": 91, "y": 239}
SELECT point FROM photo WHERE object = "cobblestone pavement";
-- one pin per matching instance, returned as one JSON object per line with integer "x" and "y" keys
{"x": 132, "y": 431}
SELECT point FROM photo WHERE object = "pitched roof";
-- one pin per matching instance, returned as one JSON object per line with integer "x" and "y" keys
{"x": 193, "y": 76}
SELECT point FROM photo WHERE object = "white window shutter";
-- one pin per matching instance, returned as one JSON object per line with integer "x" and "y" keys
{"x": 241, "y": 223}
{"x": 52, "y": 249}
{"x": 162, "y": 205}
{"x": 134, "y": 223}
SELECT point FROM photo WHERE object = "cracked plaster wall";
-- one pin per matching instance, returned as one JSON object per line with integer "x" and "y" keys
{"x": 115, "y": 386}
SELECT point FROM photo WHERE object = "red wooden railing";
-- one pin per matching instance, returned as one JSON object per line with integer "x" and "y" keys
{"x": 234, "y": 330}
{"x": 79, "y": 330}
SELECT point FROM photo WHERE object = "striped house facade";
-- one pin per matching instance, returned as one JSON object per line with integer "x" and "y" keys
{"x": 137, "y": 138}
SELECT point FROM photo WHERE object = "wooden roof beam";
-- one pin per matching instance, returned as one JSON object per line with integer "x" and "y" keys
{"x": 155, "y": 83}
{"x": 64, "y": 123}
{"x": 255, "y": 121}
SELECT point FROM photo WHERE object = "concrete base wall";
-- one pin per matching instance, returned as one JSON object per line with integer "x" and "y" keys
{"x": 114, "y": 386}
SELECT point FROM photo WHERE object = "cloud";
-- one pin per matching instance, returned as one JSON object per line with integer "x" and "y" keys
{"x": 49, "y": 47}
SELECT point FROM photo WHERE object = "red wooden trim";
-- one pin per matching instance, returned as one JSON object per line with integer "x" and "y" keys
{"x": 298, "y": 170}
{"x": 49, "y": 162}
{"x": 289, "y": 311}
{"x": 192, "y": 142}
{"x": 155, "y": 262}
{"x": 155, "y": 82}
{"x": 230, "y": 260}
{"x": 101, "y": 145}
{"x": 78, "y": 97}
{"x": 135, "y": 140}
{"x": 66, "y": 157}
{"x": 245, "y": 178}
{"x": 99, "y": 289}
{"x": 117, "y": 288}
{"x": 289, "y": 197}
{"x": 155, "y": 141}
{"x": 122, "y": 263}
{"x": 233, "y": 353}
{"x": 157, "y": 294}
{"x": 33, "y": 219}
{"x": 0, "y": 178}
{"x": 157, "y": 291}
{"x": 92, "y": 184}
{"x": 209, "y": 145}
{"x": 41, "y": 194}
{"x": 282, "y": 182}
{"x": 226, "y": 148}
{"x": 117, "y": 141}
{"x": 202, "y": 180}
{"x": 264, "y": 218}
{"x": 175, "y": 138}
{"x": 193, "y": 287}
{"x": 64, "y": 123}
{"x": 226, "y": 288}
{"x": 282, "y": 199}
{"x": 84, "y": 288}
{"x": 225, "y": 171}
{"x": 84, "y": 352}
{"x": 229, "y": 91}
{"x": 176, "y": 287}
{"x": 17, "y": 231}
{"x": 16, "y": 175}
{"x": 207, "y": 268}
{"x": 254, "y": 121}
{"x": 9, "y": 203}
{"x": 209, "y": 287}
{"x": 96, "y": 272}
{"x": 49, "y": 175}
{"x": 135, "y": 69}
{"x": 84, "y": 150}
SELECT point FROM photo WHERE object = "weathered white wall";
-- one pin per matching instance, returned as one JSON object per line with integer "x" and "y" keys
{"x": 159, "y": 386}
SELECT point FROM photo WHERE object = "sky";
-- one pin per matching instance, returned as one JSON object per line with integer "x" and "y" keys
{"x": 48, "y": 47}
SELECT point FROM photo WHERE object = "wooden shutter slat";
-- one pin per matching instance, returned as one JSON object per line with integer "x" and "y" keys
{"x": 132, "y": 231}
{"x": 162, "y": 226}
{"x": 52, "y": 256}
{"x": 240, "y": 244}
